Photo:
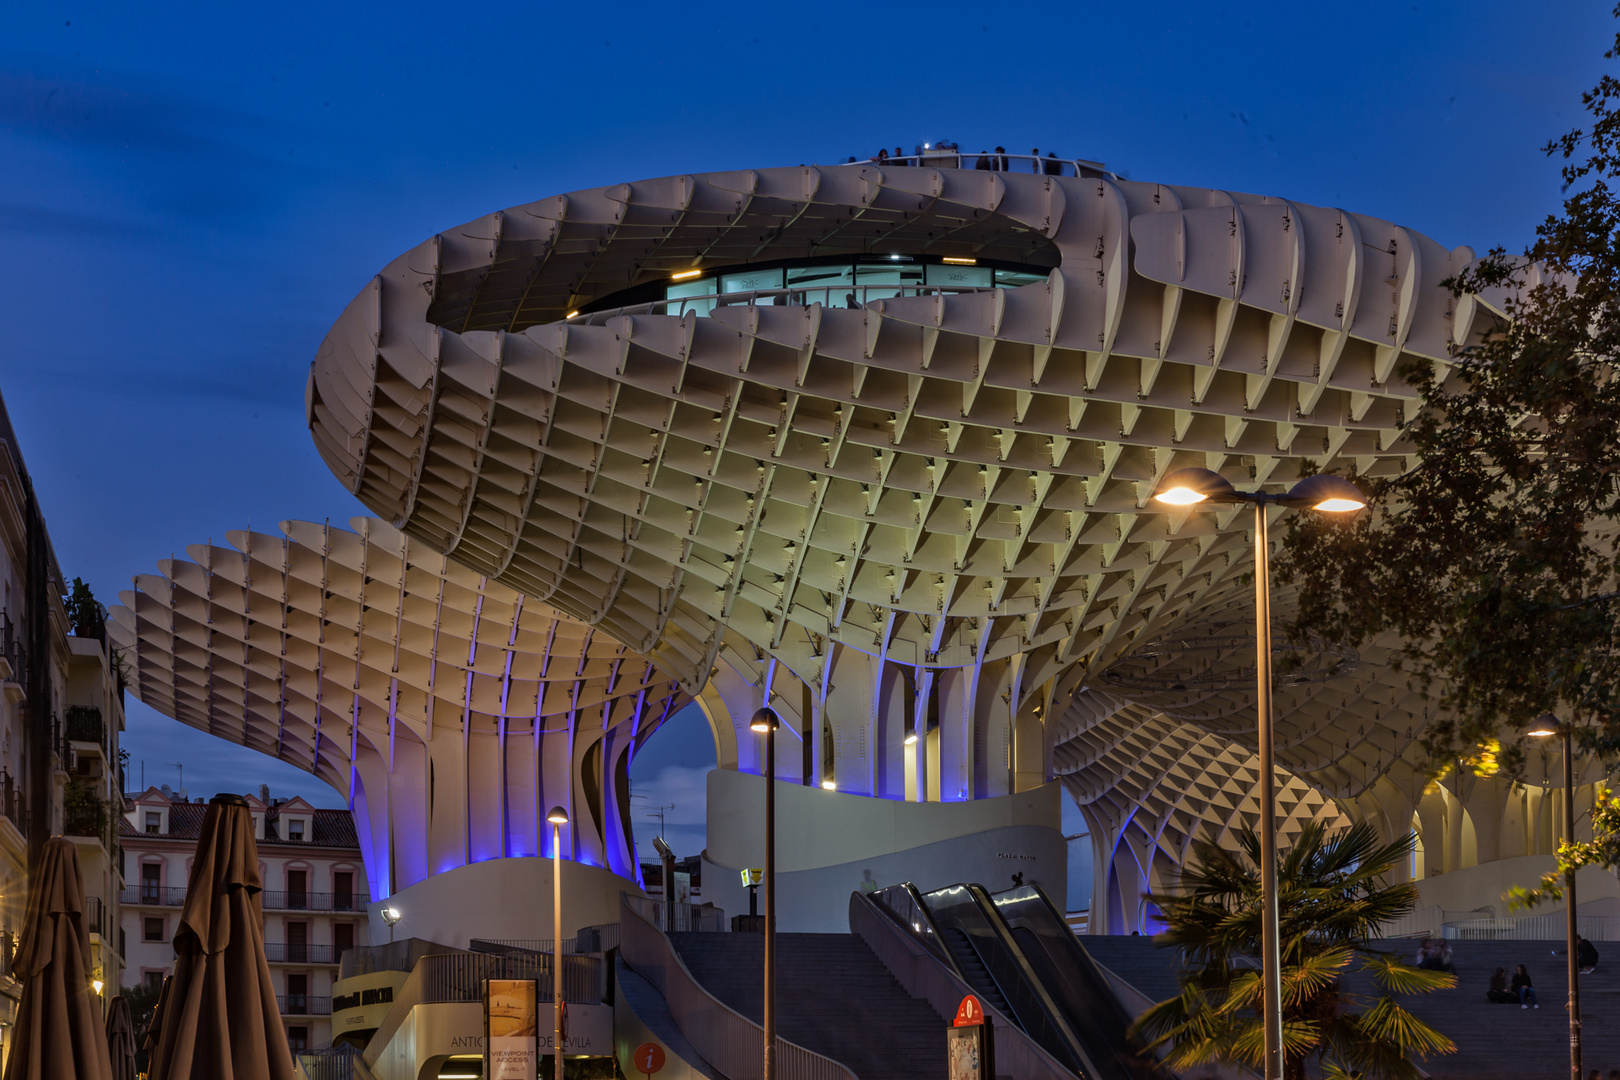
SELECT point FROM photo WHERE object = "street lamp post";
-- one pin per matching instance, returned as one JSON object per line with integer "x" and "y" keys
{"x": 766, "y": 721}
{"x": 558, "y": 818}
{"x": 391, "y": 916}
{"x": 1186, "y": 487}
{"x": 1547, "y": 725}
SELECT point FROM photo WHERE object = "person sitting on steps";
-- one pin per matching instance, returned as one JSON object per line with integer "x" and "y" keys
{"x": 1499, "y": 994}
{"x": 1524, "y": 990}
{"x": 1586, "y": 955}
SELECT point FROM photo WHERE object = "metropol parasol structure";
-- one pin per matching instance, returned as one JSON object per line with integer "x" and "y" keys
{"x": 874, "y": 445}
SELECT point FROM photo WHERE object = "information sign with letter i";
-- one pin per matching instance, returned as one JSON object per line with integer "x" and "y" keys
{"x": 649, "y": 1058}
{"x": 967, "y": 1043}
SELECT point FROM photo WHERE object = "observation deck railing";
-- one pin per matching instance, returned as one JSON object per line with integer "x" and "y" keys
{"x": 843, "y": 296}
{"x": 1014, "y": 163}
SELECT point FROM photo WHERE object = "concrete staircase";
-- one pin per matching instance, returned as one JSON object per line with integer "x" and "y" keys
{"x": 833, "y": 996}
{"x": 1494, "y": 1042}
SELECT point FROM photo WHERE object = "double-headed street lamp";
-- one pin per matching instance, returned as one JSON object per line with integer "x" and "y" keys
{"x": 1334, "y": 494}
{"x": 558, "y": 818}
{"x": 1546, "y": 726}
{"x": 766, "y": 721}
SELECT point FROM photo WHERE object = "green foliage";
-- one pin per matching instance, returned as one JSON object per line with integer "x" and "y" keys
{"x": 141, "y": 1003}
{"x": 1332, "y": 899}
{"x": 1602, "y": 850}
{"x": 85, "y": 613}
{"x": 1494, "y": 557}
{"x": 84, "y": 812}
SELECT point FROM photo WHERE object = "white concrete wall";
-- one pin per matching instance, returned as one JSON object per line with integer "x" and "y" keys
{"x": 830, "y": 844}
{"x": 1487, "y": 883}
{"x": 501, "y": 898}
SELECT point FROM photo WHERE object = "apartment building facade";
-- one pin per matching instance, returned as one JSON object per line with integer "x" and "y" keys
{"x": 314, "y": 895}
{"x": 61, "y": 713}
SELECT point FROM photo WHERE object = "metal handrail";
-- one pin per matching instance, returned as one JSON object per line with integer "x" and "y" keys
{"x": 279, "y": 952}
{"x": 1534, "y": 928}
{"x": 904, "y": 903}
{"x": 699, "y": 918}
{"x": 723, "y": 1037}
{"x": 797, "y": 296}
{"x": 293, "y": 900}
{"x": 923, "y": 974}
{"x": 303, "y": 1005}
{"x": 953, "y": 159}
{"x": 84, "y": 724}
{"x": 161, "y": 896}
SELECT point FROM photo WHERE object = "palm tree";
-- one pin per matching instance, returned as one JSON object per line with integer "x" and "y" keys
{"x": 1332, "y": 898}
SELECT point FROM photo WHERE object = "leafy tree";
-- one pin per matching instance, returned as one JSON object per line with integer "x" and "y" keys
{"x": 142, "y": 1000}
{"x": 1494, "y": 557}
{"x": 1332, "y": 899}
{"x": 85, "y": 613}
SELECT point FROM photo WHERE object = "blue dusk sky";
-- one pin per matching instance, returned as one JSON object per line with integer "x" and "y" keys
{"x": 191, "y": 193}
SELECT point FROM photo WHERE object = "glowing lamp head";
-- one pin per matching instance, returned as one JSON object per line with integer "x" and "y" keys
{"x": 911, "y": 739}
{"x": 96, "y": 985}
{"x": 391, "y": 915}
{"x": 764, "y": 720}
{"x": 557, "y": 816}
{"x": 1544, "y": 726}
{"x": 1181, "y": 496}
{"x": 1331, "y": 494}
{"x": 829, "y": 785}
{"x": 1187, "y": 487}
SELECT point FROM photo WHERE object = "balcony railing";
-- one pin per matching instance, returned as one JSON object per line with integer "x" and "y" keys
{"x": 95, "y": 915}
{"x": 84, "y": 725}
{"x": 304, "y": 1005}
{"x": 272, "y": 899}
{"x": 285, "y": 900}
{"x": 292, "y": 953}
{"x": 11, "y": 648}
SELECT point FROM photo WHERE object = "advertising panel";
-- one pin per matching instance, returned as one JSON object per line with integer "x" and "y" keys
{"x": 511, "y": 1029}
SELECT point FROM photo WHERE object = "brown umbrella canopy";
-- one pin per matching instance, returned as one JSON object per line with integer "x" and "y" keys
{"x": 121, "y": 1039}
{"x": 219, "y": 1017}
{"x": 59, "y": 1034}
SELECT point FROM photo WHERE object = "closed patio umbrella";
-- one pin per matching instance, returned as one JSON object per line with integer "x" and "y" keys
{"x": 58, "y": 1034}
{"x": 219, "y": 1017}
{"x": 121, "y": 1039}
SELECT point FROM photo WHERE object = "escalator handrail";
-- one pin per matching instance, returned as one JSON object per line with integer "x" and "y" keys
{"x": 1079, "y": 957}
{"x": 937, "y": 981}
{"x": 933, "y": 940}
{"x": 1043, "y": 996}
{"x": 1079, "y": 953}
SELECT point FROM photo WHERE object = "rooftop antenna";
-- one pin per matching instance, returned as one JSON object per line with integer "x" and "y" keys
{"x": 658, "y": 812}
{"x": 180, "y": 781}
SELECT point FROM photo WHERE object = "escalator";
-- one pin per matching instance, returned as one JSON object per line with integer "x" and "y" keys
{"x": 1024, "y": 961}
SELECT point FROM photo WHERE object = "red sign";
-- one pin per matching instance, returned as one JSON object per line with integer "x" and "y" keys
{"x": 969, "y": 1013}
{"x": 649, "y": 1058}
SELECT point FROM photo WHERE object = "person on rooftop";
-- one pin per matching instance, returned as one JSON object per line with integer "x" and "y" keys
{"x": 984, "y": 162}
{"x": 1054, "y": 167}
{"x": 900, "y": 157}
{"x": 882, "y": 157}
{"x": 1001, "y": 159}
